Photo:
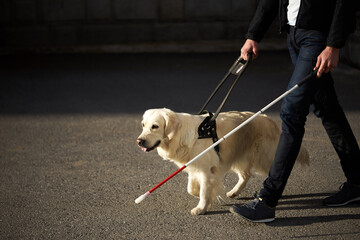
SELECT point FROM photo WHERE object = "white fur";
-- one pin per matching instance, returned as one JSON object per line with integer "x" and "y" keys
{"x": 252, "y": 148}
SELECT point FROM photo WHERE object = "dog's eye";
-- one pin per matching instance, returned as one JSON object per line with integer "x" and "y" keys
{"x": 154, "y": 126}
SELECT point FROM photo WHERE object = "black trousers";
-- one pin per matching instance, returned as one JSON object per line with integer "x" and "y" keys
{"x": 320, "y": 96}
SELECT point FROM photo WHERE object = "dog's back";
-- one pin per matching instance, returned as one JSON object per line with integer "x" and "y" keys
{"x": 254, "y": 145}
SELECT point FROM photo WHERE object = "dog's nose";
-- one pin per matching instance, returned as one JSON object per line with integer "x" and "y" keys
{"x": 140, "y": 141}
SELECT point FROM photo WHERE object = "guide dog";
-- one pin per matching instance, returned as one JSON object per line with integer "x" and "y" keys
{"x": 250, "y": 149}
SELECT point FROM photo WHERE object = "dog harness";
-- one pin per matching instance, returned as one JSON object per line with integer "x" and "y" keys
{"x": 207, "y": 129}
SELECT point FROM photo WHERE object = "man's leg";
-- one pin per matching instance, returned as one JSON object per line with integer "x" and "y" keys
{"x": 304, "y": 47}
{"x": 327, "y": 107}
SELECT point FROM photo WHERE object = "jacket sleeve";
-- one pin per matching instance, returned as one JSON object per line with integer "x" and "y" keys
{"x": 343, "y": 23}
{"x": 265, "y": 14}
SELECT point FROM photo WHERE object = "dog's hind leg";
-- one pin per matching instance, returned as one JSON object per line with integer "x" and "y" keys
{"x": 243, "y": 179}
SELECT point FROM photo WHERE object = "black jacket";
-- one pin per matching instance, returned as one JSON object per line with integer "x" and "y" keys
{"x": 334, "y": 18}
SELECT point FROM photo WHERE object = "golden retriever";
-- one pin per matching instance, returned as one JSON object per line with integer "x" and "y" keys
{"x": 250, "y": 149}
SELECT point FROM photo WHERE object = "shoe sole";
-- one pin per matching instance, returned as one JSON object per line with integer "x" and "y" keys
{"x": 343, "y": 204}
{"x": 267, "y": 220}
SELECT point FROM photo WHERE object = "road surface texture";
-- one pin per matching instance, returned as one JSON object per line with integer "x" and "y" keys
{"x": 70, "y": 167}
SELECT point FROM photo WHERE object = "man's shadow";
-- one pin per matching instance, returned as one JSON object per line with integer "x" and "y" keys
{"x": 301, "y": 202}
{"x": 309, "y": 201}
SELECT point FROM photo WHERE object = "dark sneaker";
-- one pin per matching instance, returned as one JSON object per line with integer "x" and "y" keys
{"x": 255, "y": 211}
{"x": 348, "y": 193}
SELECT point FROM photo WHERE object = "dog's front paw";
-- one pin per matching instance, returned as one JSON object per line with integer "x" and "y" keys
{"x": 197, "y": 211}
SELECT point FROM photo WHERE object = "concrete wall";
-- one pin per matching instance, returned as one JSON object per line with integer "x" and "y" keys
{"x": 351, "y": 52}
{"x": 131, "y": 25}
{"x": 28, "y": 23}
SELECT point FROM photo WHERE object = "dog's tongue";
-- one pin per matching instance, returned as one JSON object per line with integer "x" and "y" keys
{"x": 144, "y": 149}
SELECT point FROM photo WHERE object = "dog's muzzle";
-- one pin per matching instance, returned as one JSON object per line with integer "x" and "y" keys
{"x": 143, "y": 145}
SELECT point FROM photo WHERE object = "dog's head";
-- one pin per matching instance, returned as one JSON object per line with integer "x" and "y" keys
{"x": 159, "y": 127}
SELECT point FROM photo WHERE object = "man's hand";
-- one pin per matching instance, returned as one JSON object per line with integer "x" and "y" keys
{"x": 250, "y": 46}
{"x": 327, "y": 60}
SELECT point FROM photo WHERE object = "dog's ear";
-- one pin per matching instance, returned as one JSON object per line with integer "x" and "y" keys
{"x": 172, "y": 123}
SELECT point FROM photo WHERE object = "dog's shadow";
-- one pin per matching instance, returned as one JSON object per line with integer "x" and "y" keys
{"x": 300, "y": 202}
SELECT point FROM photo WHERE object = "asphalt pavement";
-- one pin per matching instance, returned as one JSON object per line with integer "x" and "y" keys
{"x": 70, "y": 167}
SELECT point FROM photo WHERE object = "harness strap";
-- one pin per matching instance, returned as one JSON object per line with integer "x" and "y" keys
{"x": 207, "y": 129}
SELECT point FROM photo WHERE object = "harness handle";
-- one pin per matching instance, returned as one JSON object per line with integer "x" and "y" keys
{"x": 207, "y": 128}
{"x": 236, "y": 69}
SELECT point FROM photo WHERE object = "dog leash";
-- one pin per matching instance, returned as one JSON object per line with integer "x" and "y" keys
{"x": 207, "y": 128}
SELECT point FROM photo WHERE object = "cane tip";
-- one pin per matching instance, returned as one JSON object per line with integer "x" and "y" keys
{"x": 140, "y": 199}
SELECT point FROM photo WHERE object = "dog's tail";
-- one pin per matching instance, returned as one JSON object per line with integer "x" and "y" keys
{"x": 303, "y": 157}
